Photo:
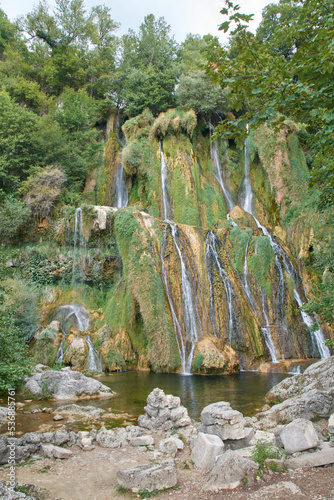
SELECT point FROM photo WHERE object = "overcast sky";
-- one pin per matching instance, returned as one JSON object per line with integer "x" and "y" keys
{"x": 184, "y": 16}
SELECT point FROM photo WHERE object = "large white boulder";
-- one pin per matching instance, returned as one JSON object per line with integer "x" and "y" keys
{"x": 299, "y": 435}
{"x": 149, "y": 477}
{"x": 221, "y": 420}
{"x": 205, "y": 449}
{"x": 229, "y": 471}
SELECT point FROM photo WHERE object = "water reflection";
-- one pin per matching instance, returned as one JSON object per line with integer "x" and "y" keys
{"x": 245, "y": 391}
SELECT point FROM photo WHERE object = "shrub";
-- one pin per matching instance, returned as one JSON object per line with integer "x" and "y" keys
{"x": 14, "y": 217}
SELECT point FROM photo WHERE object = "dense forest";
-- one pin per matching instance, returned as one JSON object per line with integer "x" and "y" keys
{"x": 70, "y": 87}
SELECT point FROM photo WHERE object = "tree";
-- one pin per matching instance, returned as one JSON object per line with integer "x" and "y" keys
{"x": 196, "y": 92}
{"x": 14, "y": 218}
{"x": 284, "y": 73}
{"x": 148, "y": 67}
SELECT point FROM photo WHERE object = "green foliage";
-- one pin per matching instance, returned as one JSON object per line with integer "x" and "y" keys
{"x": 322, "y": 301}
{"x": 14, "y": 359}
{"x": 195, "y": 91}
{"x": 197, "y": 363}
{"x": 174, "y": 120}
{"x": 41, "y": 190}
{"x": 22, "y": 298}
{"x": 132, "y": 157}
{"x": 14, "y": 218}
{"x": 262, "y": 451}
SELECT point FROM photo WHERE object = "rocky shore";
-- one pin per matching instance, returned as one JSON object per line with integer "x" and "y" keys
{"x": 223, "y": 452}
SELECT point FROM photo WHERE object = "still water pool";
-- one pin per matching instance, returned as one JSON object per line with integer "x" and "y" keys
{"x": 245, "y": 391}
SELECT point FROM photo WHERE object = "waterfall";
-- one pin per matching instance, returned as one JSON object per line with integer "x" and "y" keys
{"x": 316, "y": 333}
{"x": 176, "y": 324}
{"x": 186, "y": 349}
{"x": 93, "y": 360}
{"x": 166, "y": 205}
{"x": 229, "y": 218}
{"x": 60, "y": 353}
{"x": 78, "y": 239}
{"x": 188, "y": 303}
{"x": 245, "y": 283}
{"x": 121, "y": 194}
{"x": 212, "y": 249}
{"x": 248, "y": 193}
{"x": 219, "y": 177}
{"x": 267, "y": 332}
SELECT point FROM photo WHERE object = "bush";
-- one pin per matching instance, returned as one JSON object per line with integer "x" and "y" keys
{"x": 14, "y": 360}
{"x": 42, "y": 189}
{"x": 22, "y": 299}
{"x": 14, "y": 217}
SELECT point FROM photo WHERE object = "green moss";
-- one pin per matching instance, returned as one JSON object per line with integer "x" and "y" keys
{"x": 260, "y": 263}
{"x": 239, "y": 238}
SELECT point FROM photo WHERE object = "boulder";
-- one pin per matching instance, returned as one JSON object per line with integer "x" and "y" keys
{"x": 7, "y": 494}
{"x": 279, "y": 490}
{"x": 170, "y": 446}
{"x": 85, "y": 440}
{"x": 145, "y": 440}
{"x": 213, "y": 356}
{"x": 163, "y": 412}
{"x": 331, "y": 429}
{"x": 219, "y": 419}
{"x": 66, "y": 384}
{"x": 61, "y": 437}
{"x": 229, "y": 471}
{"x": 299, "y": 435}
{"x": 205, "y": 449}
{"x": 52, "y": 451}
{"x": 325, "y": 456}
{"x": 108, "y": 438}
{"x": 149, "y": 477}
{"x": 306, "y": 395}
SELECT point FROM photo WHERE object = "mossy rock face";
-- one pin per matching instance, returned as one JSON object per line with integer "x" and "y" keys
{"x": 76, "y": 352}
{"x": 211, "y": 356}
{"x": 47, "y": 342}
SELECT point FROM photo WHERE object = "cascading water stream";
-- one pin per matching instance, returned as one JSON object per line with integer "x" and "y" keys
{"x": 316, "y": 334}
{"x": 211, "y": 249}
{"x": 121, "y": 194}
{"x": 227, "y": 195}
{"x": 245, "y": 280}
{"x": 266, "y": 330}
{"x": 186, "y": 349}
{"x": 165, "y": 199}
{"x": 188, "y": 303}
{"x": 93, "y": 360}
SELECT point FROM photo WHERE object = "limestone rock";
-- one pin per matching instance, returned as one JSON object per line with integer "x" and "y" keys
{"x": 163, "y": 412}
{"x": 299, "y": 435}
{"x": 108, "y": 438}
{"x": 325, "y": 456}
{"x": 150, "y": 477}
{"x": 77, "y": 352}
{"x": 277, "y": 490}
{"x": 51, "y": 451}
{"x": 61, "y": 437}
{"x": 8, "y": 494}
{"x": 85, "y": 441}
{"x": 229, "y": 471}
{"x": 80, "y": 411}
{"x": 170, "y": 446}
{"x": 66, "y": 384}
{"x": 216, "y": 357}
{"x": 145, "y": 440}
{"x": 205, "y": 449}
{"x": 221, "y": 420}
{"x": 331, "y": 429}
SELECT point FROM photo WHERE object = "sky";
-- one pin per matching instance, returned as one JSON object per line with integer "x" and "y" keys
{"x": 185, "y": 16}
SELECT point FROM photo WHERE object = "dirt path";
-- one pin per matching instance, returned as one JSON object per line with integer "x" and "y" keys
{"x": 91, "y": 475}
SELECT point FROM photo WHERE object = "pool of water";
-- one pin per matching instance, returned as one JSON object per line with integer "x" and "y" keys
{"x": 245, "y": 391}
